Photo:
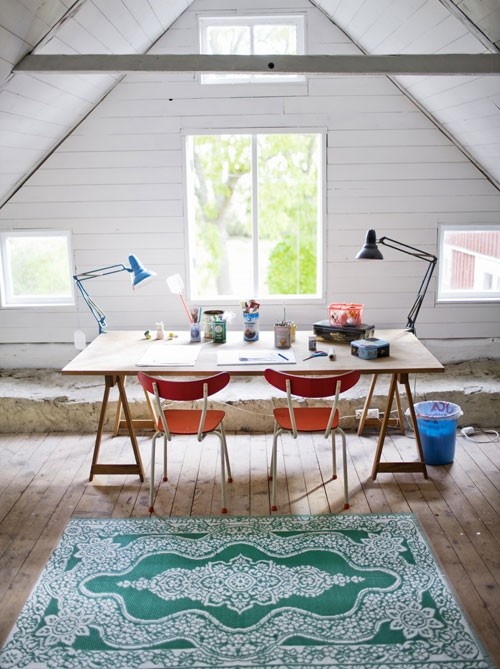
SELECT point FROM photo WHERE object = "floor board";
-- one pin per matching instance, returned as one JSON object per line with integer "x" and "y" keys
{"x": 44, "y": 482}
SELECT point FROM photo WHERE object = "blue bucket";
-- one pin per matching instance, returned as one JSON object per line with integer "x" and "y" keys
{"x": 437, "y": 425}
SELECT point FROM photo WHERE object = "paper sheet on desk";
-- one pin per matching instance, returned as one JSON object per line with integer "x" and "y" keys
{"x": 169, "y": 355}
{"x": 258, "y": 357}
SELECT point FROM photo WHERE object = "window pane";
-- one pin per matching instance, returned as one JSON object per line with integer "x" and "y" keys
{"x": 254, "y": 215}
{"x": 275, "y": 39}
{"x": 288, "y": 213}
{"x": 228, "y": 40}
{"x": 470, "y": 263}
{"x": 220, "y": 202}
{"x": 36, "y": 269}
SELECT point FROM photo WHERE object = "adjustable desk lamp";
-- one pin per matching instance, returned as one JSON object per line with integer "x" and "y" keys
{"x": 140, "y": 276}
{"x": 370, "y": 251}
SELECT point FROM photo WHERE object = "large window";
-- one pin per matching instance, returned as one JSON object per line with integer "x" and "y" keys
{"x": 255, "y": 215}
{"x": 469, "y": 262}
{"x": 251, "y": 35}
{"x": 35, "y": 268}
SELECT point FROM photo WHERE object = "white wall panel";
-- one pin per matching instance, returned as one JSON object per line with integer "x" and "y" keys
{"x": 117, "y": 183}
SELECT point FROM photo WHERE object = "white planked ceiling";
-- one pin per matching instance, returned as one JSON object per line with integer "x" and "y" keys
{"x": 38, "y": 110}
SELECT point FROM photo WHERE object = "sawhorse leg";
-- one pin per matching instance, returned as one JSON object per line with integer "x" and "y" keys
{"x": 368, "y": 402}
{"x": 96, "y": 468}
{"x": 398, "y": 466}
{"x": 139, "y": 423}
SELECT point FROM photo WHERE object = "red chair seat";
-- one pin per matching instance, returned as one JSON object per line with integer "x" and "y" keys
{"x": 307, "y": 419}
{"x": 186, "y": 421}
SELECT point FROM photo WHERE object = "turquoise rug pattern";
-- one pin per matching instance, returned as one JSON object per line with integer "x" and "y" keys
{"x": 344, "y": 591}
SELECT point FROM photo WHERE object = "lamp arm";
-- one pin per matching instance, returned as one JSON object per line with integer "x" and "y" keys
{"x": 101, "y": 271}
{"x": 413, "y": 313}
{"x": 405, "y": 248}
{"x": 424, "y": 285}
{"x": 96, "y": 311}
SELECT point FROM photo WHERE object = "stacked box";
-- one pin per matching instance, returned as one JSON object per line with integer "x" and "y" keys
{"x": 342, "y": 335}
{"x": 371, "y": 348}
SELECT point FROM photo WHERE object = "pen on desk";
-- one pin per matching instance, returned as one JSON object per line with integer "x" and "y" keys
{"x": 331, "y": 354}
{"x": 283, "y": 356}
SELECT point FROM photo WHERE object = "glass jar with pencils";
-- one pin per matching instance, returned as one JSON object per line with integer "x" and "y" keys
{"x": 208, "y": 322}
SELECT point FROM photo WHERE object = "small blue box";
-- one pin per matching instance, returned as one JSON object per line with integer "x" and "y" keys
{"x": 369, "y": 349}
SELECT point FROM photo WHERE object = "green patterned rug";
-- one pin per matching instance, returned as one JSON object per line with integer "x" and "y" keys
{"x": 346, "y": 591}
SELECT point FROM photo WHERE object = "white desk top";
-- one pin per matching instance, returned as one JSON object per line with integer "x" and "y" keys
{"x": 118, "y": 352}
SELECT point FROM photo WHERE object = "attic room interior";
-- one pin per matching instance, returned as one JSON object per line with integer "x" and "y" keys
{"x": 187, "y": 179}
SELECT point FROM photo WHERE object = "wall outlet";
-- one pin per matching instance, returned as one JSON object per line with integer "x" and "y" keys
{"x": 371, "y": 413}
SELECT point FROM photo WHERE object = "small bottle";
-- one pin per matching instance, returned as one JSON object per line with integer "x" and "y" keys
{"x": 195, "y": 332}
{"x": 160, "y": 333}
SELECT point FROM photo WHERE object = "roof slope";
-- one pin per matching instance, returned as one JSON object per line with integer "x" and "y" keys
{"x": 37, "y": 111}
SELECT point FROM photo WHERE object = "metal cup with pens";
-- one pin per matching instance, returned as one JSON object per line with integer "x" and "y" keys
{"x": 284, "y": 332}
{"x": 282, "y": 335}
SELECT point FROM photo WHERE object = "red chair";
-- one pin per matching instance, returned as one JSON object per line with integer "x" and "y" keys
{"x": 199, "y": 422}
{"x": 292, "y": 419}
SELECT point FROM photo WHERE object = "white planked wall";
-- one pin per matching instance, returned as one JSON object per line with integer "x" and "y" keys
{"x": 117, "y": 183}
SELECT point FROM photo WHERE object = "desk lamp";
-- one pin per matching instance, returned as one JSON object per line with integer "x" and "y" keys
{"x": 140, "y": 276}
{"x": 370, "y": 251}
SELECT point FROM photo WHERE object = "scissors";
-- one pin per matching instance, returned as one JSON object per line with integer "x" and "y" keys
{"x": 316, "y": 354}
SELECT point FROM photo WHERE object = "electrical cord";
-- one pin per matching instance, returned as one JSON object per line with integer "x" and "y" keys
{"x": 468, "y": 432}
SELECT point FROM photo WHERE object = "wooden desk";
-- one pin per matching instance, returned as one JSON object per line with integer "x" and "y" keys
{"x": 114, "y": 355}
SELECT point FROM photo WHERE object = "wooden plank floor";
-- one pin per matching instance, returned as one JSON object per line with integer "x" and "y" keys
{"x": 44, "y": 482}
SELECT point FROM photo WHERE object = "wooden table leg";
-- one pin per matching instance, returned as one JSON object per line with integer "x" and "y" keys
{"x": 108, "y": 384}
{"x": 364, "y": 415}
{"x": 367, "y": 405}
{"x": 139, "y": 423}
{"x": 137, "y": 468}
{"x": 383, "y": 427}
{"x": 396, "y": 467}
{"x": 401, "y": 416}
{"x": 404, "y": 380}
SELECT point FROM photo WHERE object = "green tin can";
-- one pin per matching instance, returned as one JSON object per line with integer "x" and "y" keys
{"x": 219, "y": 332}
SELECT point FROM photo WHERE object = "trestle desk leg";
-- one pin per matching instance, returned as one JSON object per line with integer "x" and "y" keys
{"x": 114, "y": 468}
{"x": 396, "y": 467}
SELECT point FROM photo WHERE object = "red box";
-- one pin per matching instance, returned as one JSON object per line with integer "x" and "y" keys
{"x": 344, "y": 315}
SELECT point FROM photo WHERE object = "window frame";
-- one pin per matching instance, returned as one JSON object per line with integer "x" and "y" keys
{"x": 320, "y": 296}
{"x": 204, "y": 22}
{"x": 465, "y": 296}
{"x": 7, "y": 299}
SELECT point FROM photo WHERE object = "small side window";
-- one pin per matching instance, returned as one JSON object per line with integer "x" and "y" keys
{"x": 469, "y": 263}
{"x": 35, "y": 268}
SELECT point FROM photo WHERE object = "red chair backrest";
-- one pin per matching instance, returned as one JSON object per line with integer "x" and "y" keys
{"x": 183, "y": 391}
{"x": 311, "y": 386}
